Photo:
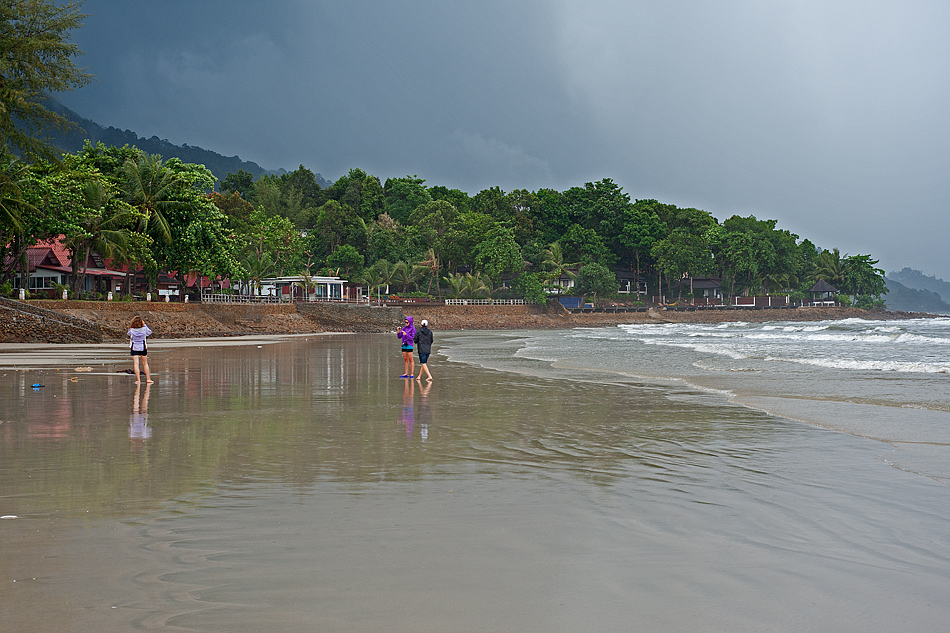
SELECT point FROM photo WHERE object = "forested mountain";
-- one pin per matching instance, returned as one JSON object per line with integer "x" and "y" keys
{"x": 900, "y": 297}
{"x": 916, "y": 279}
{"x": 219, "y": 165}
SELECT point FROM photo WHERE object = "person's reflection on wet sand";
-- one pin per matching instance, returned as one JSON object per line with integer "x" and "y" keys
{"x": 425, "y": 415}
{"x": 408, "y": 413}
{"x": 139, "y": 430}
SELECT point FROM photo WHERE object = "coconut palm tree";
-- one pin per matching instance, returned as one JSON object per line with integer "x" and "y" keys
{"x": 476, "y": 285}
{"x": 831, "y": 268}
{"x": 430, "y": 266}
{"x": 13, "y": 174}
{"x": 386, "y": 272}
{"x": 553, "y": 262}
{"x": 105, "y": 231}
{"x": 404, "y": 274}
{"x": 150, "y": 187}
{"x": 373, "y": 279}
{"x": 456, "y": 283}
{"x": 258, "y": 267}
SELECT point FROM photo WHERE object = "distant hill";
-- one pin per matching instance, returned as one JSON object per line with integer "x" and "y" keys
{"x": 219, "y": 165}
{"x": 900, "y": 297}
{"x": 916, "y": 279}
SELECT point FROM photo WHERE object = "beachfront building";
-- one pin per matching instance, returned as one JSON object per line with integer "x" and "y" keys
{"x": 300, "y": 288}
{"x": 823, "y": 294}
{"x": 631, "y": 282}
{"x": 49, "y": 265}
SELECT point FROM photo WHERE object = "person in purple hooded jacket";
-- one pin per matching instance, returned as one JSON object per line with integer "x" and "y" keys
{"x": 406, "y": 336}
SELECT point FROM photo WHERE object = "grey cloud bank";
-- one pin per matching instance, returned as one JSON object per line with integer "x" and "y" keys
{"x": 829, "y": 117}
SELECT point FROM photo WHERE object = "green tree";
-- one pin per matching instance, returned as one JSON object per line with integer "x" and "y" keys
{"x": 682, "y": 253}
{"x": 152, "y": 188}
{"x": 240, "y": 183}
{"x": 405, "y": 275}
{"x": 498, "y": 253}
{"x": 104, "y": 221}
{"x": 36, "y": 59}
{"x": 338, "y": 224}
{"x": 475, "y": 286}
{"x": 863, "y": 280}
{"x": 347, "y": 258}
{"x": 403, "y": 195}
{"x": 531, "y": 287}
{"x": 585, "y": 245}
{"x": 556, "y": 266}
{"x": 373, "y": 279}
{"x": 372, "y": 199}
{"x": 596, "y": 279}
{"x": 641, "y": 230}
{"x": 830, "y": 267}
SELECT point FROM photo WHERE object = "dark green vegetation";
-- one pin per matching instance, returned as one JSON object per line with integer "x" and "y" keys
{"x": 135, "y": 208}
{"x": 85, "y": 129}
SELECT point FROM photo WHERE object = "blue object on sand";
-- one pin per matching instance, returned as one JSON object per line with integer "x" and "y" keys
{"x": 37, "y": 385}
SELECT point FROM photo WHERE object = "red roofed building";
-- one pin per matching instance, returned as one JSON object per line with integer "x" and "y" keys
{"x": 49, "y": 264}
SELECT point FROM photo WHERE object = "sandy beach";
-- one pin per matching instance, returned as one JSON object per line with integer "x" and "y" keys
{"x": 297, "y": 484}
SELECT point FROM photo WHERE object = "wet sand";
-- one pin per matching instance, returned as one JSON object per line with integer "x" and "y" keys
{"x": 298, "y": 484}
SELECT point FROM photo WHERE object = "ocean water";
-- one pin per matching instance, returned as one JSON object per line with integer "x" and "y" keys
{"x": 884, "y": 380}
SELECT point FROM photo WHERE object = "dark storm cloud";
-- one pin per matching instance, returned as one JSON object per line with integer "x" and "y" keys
{"x": 826, "y": 116}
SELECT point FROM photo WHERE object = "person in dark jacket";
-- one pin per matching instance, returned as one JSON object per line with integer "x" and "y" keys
{"x": 423, "y": 339}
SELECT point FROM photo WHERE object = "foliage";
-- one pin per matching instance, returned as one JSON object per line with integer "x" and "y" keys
{"x": 596, "y": 279}
{"x": 346, "y": 257}
{"x": 531, "y": 287}
{"x": 36, "y": 59}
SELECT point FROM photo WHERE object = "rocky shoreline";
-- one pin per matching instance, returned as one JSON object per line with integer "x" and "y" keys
{"x": 175, "y": 321}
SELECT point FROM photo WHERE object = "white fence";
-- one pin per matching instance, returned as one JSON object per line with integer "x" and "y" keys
{"x": 223, "y": 298}
{"x": 485, "y": 302}
{"x": 226, "y": 298}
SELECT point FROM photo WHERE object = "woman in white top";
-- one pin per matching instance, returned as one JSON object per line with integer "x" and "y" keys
{"x": 138, "y": 331}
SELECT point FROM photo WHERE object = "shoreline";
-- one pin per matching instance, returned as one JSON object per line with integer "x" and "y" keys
{"x": 76, "y": 322}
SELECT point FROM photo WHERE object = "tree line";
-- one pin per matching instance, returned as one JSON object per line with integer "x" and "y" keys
{"x": 159, "y": 215}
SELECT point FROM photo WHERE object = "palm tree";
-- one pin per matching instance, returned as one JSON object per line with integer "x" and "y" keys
{"x": 404, "y": 274}
{"x": 13, "y": 243}
{"x": 306, "y": 282}
{"x": 831, "y": 268}
{"x": 258, "y": 267}
{"x": 13, "y": 173}
{"x": 554, "y": 263}
{"x": 431, "y": 266}
{"x": 476, "y": 285}
{"x": 105, "y": 231}
{"x": 373, "y": 279}
{"x": 456, "y": 283}
{"x": 386, "y": 272}
{"x": 778, "y": 282}
{"x": 150, "y": 187}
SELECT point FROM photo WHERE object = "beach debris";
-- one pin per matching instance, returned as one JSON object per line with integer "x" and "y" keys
{"x": 9, "y": 516}
{"x": 74, "y": 379}
{"x": 84, "y": 369}
{"x": 37, "y": 385}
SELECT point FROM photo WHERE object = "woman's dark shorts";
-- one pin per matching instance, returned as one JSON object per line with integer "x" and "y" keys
{"x": 139, "y": 352}
{"x": 423, "y": 357}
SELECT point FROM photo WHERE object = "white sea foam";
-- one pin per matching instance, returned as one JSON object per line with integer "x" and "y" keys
{"x": 869, "y": 365}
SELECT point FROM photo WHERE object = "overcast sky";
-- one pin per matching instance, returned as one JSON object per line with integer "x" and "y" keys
{"x": 830, "y": 117}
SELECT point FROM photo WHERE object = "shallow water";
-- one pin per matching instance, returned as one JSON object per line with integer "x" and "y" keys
{"x": 300, "y": 485}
